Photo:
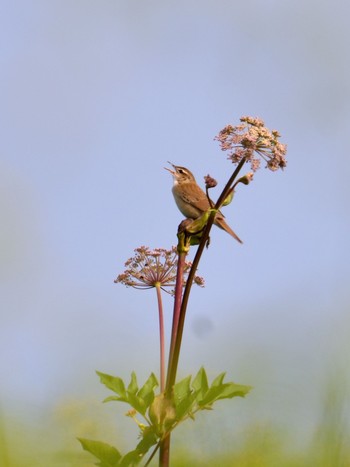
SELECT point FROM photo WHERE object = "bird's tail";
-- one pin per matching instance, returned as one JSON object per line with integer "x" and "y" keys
{"x": 220, "y": 222}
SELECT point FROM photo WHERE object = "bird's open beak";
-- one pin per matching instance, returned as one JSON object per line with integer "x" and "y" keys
{"x": 169, "y": 170}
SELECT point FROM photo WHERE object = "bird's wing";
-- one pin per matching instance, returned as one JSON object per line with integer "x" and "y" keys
{"x": 196, "y": 197}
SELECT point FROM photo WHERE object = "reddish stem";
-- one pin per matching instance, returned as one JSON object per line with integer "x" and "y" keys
{"x": 177, "y": 306}
{"x": 161, "y": 338}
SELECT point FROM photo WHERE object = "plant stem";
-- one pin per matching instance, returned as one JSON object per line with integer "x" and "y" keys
{"x": 177, "y": 309}
{"x": 164, "y": 452}
{"x": 161, "y": 337}
{"x": 225, "y": 191}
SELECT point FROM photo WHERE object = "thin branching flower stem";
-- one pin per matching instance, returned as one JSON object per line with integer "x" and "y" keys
{"x": 161, "y": 337}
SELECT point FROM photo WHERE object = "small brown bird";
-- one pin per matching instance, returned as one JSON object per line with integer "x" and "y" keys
{"x": 191, "y": 199}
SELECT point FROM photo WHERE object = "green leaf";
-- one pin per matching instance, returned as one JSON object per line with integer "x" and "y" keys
{"x": 137, "y": 403}
{"x": 210, "y": 396}
{"x": 113, "y": 383}
{"x": 184, "y": 397}
{"x": 146, "y": 393}
{"x": 224, "y": 391}
{"x": 108, "y": 455}
{"x": 141, "y": 399}
{"x": 131, "y": 459}
{"x": 115, "y": 398}
{"x": 200, "y": 382}
{"x": 218, "y": 380}
{"x": 134, "y": 457}
{"x": 185, "y": 407}
{"x": 149, "y": 439}
{"x": 182, "y": 389}
{"x": 133, "y": 387}
{"x": 231, "y": 390}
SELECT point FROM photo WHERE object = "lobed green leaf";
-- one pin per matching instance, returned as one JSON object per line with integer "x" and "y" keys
{"x": 131, "y": 459}
{"x": 218, "y": 380}
{"x": 182, "y": 389}
{"x": 200, "y": 382}
{"x": 133, "y": 387}
{"x": 210, "y": 396}
{"x": 231, "y": 390}
{"x": 223, "y": 391}
{"x": 108, "y": 455}
{"x": 140, "y": 400}
{"x": 113, "y": 383}
{"x": 185, "y": 406}
{"x": 146, "y": 393}
{"x": 184, "y": 397}
{"x": 149, "y": 439}
{"x": 137, "y": 403}
{"x": 115, "y": 398}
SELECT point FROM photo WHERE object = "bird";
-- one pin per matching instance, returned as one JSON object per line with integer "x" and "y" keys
{"x": 191, "y": 199}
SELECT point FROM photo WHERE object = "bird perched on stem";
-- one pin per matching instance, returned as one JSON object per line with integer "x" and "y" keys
{"x": 191, "y": 199}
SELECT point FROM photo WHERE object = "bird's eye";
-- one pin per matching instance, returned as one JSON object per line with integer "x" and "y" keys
{"x": 181, "y": 171}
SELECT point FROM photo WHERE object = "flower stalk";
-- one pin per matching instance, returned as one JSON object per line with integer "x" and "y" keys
{"x": 177, "y": 303}
{"x": 161, "y": 337}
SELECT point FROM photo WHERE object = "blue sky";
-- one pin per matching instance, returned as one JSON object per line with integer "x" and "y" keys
{"x": 95, "y": 98}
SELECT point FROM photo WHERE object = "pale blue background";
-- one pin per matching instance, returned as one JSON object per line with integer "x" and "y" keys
{"x": 96, "y": 96}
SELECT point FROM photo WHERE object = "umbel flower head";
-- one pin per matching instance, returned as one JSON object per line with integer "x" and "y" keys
{"x": 154, "y": 268}
{"x": 251, "y": 139}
